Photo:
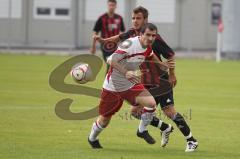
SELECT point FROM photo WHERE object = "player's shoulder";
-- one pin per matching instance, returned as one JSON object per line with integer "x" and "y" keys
{"x": 102, "y": 15}
{"x": 158, "y": 37}
{"x": 127, "y": 44}
{"x": 159, "y": 40}
{"x": 134, "y": 39}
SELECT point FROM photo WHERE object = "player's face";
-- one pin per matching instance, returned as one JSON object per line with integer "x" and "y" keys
{"x": 138, "y": 20}
{"x": 111, "y": 7}
{"x": 148, "y": 37}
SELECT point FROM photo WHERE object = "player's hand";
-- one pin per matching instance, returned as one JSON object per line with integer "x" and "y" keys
{"x": 133, "y": 76}
{"x": 172, "y": 79}
{"x": 171, "y": 63}
{"x": 163, "y": 66}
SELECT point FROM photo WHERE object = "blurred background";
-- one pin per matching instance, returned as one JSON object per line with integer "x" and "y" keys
{"x": 189, "y": 26}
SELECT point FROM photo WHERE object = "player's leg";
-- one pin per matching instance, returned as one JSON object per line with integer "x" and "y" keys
{"x": 136, "y": 111}
{"x": 146, "y": 100}
{"x": 97, "y": 127}
{"x": 167, "y": 104}
{"x": 165, "y": 128}
{"x": 182, "y": 125}
{"x": 138, "y": 95}
{"x": 110, "y": 103}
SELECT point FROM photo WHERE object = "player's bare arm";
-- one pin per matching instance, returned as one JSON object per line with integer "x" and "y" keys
{"x": 115, "y": 39}
{"x": 168, "y": 65}
{"x": 163, "y": 66}
{"x": 93, "y": 48}
{"x": 172, "y": 76}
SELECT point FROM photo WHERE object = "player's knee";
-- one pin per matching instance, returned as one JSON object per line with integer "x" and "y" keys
{"x": 152, "y": 103}
{"x": 169, "y": 111}
{"x": 104, "y": 121}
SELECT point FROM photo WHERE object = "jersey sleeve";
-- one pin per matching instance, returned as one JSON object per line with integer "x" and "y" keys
{"x": 98, "y": 25}
{"x": 160, "y": 47}
{"x": 122, "y": 51}
{"x": 118, "y": 55}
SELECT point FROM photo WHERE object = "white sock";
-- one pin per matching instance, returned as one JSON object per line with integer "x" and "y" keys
{"x": 146, "y": 118}
{"x": 96, "y": 129}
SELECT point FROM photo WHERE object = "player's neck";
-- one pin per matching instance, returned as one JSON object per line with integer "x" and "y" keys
{"x": 110, "y": 14}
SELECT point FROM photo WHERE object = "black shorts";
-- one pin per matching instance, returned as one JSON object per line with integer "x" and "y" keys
{"x": 164, "y": 98}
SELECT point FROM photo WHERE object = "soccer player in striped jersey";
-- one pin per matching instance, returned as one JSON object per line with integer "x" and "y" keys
{"x": 109, "y": 24}
{"x": 153, "y": 76}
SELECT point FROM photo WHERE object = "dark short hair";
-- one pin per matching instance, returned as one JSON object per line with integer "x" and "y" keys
{"x": 142, "y": 10}
{"x": 113, "y": 1}
{"x": 149, "y": 26}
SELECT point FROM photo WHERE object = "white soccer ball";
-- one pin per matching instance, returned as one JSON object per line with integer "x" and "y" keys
{"x": 81, "y": 73}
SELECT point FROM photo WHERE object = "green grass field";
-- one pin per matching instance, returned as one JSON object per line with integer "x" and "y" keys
{"x": 30, "y": 129}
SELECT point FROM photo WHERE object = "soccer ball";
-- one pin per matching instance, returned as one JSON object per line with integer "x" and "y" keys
{"x": 81, "y": 73}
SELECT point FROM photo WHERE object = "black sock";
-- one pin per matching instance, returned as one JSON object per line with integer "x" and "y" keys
{"x": 155, "y": 121}
{"x": 192, "y": 139}
{"x": 182, "y": 126}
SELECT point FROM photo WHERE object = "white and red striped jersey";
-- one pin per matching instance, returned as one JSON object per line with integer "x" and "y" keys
{"x": 130, "y": 55}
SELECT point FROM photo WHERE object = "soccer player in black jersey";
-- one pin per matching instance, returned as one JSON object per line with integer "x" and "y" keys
{"x": 159, "y": 83}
